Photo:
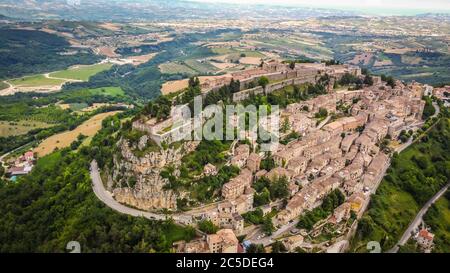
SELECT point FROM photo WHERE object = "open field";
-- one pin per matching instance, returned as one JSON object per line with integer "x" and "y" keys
{"x": 8, "y": 128}
{"x": 175, "y": 86}
{"x": 137, "y": 60}
{"x": 101, "y": 91}
{"x": 107, "y": 91}
{"x": 250, "y": 60}
{"x": 81, "y": 73}
{"x": 36, "y": 80}
{"x": 202, "y": 68}
{"x": 107, "y": 51}
{"x": 176, "y": 68}
{"x": 62, "y": 140}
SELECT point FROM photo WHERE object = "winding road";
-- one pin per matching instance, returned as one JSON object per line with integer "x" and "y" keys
{"x": 418, "y": 219}
{"x": 106, "y": 197}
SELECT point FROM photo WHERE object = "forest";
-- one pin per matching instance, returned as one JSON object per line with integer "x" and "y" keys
{"x": 54, "y": 205}
{"x": 29, "y": 52}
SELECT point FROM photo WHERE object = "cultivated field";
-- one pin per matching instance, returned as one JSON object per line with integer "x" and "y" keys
{"x": 89, "y": 128}
{"x": 175, "y": 86}
{"x": 176, "y": 68}
{"x": 15, "y": 128}
{"x": 81, "y": 72}
{"x": 36, "y": 80}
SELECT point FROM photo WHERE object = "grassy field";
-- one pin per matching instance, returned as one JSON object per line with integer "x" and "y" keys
{"x": 36, "y": 80}
{"x": 8, "y": 128}
{"x": 82, "y": 73}
{"x": 107, "y": 91}
{"x": 78, "y": 106}
{"x": 176, "y": 68}
{"x": 222, "y": 50}
{"x": 88, "y": 128}
{"x": 438, "y": 217}
{"x": 202, "y": 68}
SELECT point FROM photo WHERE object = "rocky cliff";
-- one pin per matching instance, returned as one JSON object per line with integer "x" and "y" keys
{"x": 136, "y": 181}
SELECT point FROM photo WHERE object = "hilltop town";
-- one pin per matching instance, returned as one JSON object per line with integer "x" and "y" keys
{"x": 334, "y": 151}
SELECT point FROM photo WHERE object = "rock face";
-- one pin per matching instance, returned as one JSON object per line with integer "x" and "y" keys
{"x": 136, "y": 181}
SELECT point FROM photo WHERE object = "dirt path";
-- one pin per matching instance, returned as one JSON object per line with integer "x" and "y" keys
{"x": 7, "y": 91}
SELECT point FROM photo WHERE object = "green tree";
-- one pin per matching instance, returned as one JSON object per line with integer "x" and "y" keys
{"x": 208, "y": 227}
{"x": 254, "y": 248}
{"x": 279, "y": 189}
{"x": 263, "y": 81}
{"x": 268, "y": 227}
{"x": 278, "y": 247}
{"x": 285, "y": 126}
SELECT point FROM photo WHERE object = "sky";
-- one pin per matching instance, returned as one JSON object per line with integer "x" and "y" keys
{"x": 388, "y": 7}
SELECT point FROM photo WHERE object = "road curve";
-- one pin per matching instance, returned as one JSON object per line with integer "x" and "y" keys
{"x": 108, "y": 200}
{"x": 418, "y": 219}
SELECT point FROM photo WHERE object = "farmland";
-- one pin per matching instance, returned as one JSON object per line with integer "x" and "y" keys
{"x": 8, "y": 128}
{"x": 176, "y": 68}
{"x": 81, "y": 73}
{"x": 36, "y": 80}
{"x": 62, "y": 140}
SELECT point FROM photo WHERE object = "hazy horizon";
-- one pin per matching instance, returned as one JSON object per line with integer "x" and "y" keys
{"x": 378, "y": 7}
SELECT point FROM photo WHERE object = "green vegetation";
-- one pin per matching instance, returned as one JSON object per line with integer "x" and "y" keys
{"x": 390, "y": 81}
{"x": 26, "y": 109}
{"x": 267, "y": 191}
{"x": 26, "y": 52}
{"x": 207, "y": 227}
{"x": 429, "y": 110}
{"x": 278, "y": 247}
{"x": 290, "y": 94}
{"x": 12, "y": 128}
{"x": 176, "y": 68}
{"x": 414, "y": 177}
{"x": 36, "y": 80}
{"x": 208, "y": 188}
{"x": 438, "y": 218}
{"x": 82, "y": 73}
{"x": 330, "y": 202}
{"x": 54, "y": 205}
{"x": 263, "y": 81}
{"x": 267, "y": 225}
{"x": 254, "y": 248}
{"x": 3, "y": 85}
{"x": 256, "y": 217}
{"x": 267, "y": 163}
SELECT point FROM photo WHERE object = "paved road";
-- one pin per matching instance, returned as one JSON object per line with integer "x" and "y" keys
{"x": 436, "y": 107}
{"x": 107, "y": 199}
{"x": 416, "y": 222}
{"x": 323, "y": 123}
{"x": 271, "y": 239}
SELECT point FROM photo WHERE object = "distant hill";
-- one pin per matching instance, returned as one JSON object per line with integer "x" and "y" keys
{"x": 29, "y": 52}
{"x": 132, "y": 10}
